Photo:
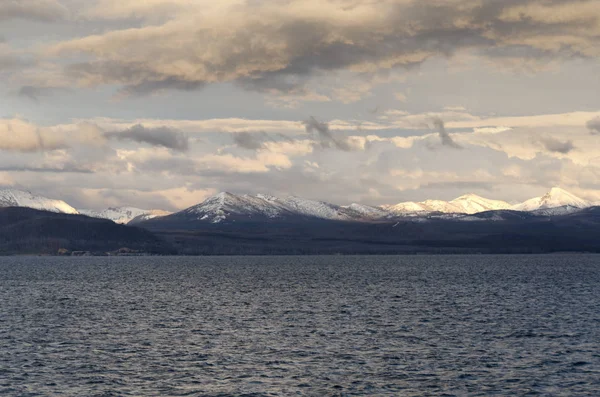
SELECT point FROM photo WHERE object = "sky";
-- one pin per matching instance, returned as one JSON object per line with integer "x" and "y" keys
{"x": 160, "y": 104}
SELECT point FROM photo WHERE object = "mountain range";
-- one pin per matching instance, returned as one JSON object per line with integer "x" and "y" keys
{"x": 259, "y": 224}
{"x": 121, "y": 215}
{"x": 228, "y": 207}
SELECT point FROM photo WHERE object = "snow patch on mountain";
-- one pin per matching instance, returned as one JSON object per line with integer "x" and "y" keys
{"x": 557, "y": 211}
{"x": 366, "y": 211}
{"x": 148, "y": 215}
{"x": 408, "y": 207}
{"x": 124, "y": 215}
{"x": 316, "y": 209}
{"x": 19, "y": 198}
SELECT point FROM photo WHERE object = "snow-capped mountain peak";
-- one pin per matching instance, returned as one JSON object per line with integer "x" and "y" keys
{"x": 19, "y": 198}
{"x": 406, "y": 207}
{"x": 472, "y": 204}
{"x": 441, "y": 206}
{"x": 467, "y": 204}
{"x": 229, "y": 207}
{"x": 556, "y": 197}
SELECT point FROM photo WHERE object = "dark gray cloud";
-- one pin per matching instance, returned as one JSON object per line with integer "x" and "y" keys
{"x": 325, "y": 138}
{"x": 153, "y": 86}
{"x": 594, "y": 125}
{"x": 161, "y": 136}
{"x": 275, "y": 82}
{"x": 37, "y": 10}
{"x": 445, "y": 138}
{"x": 35, "y": 93}
{"x": 556, "y": 146}
{"x": 250, "y": 141}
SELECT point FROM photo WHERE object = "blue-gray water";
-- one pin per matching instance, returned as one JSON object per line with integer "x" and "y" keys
{"x": 314, "y": 326}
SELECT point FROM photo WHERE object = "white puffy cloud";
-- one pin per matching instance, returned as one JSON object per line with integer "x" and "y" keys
{"x": 23, "y": 136}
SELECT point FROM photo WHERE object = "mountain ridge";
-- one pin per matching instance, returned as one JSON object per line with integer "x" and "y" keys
{"x": 228, "y": 206}
{"x": 21, "y": 198}
{"x": 229, "y": 224}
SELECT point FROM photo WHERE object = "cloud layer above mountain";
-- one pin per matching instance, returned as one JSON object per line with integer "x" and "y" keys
{"x": 276, "y": 46}
{"x": 160, "y": 103}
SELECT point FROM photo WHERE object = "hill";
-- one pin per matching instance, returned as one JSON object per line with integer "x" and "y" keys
{"x": 29, "y": 231}
{"x": 502, "y": 231}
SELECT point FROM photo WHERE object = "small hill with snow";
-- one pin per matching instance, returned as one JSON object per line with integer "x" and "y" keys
{"x": 467, "y": 204}
{"x": 20, "y": 198}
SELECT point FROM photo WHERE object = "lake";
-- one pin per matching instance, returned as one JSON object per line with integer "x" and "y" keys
{"x": 312, "y": 326}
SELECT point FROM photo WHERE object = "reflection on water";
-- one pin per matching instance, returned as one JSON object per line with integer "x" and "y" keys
{"x": 316, "y": 326}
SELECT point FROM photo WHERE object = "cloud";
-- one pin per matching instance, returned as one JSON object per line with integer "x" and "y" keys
{"x": 19, "y": 135}
{"x": 594, "y": 126}
{"x": 250, "y": 141}
{"x": 557, "y": 146}
{"x": 227, "y": 125}
{"x": 325, "y": 138}
{"x": 157, "y": 160}
{"x": 395, "y": 163}
{"x": 61, "y": 170}
{"x": 401, "y": 97}
{"x": 464, "y": 119}
{"x": 274, "y": 142}
{"x": 159, "y": 136}
{"x": 445, "y": 138}
{"x": 34, "y": 93}
{"x": 262, "y": 163}
{"x": 37, "y": 10}
{"x": 123, "y": 9}
{"x": 273, "y": 45}
{"x": 9, "y": 59}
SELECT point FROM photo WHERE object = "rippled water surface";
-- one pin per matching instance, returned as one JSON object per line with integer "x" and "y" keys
{"x": 314, "y": 326}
